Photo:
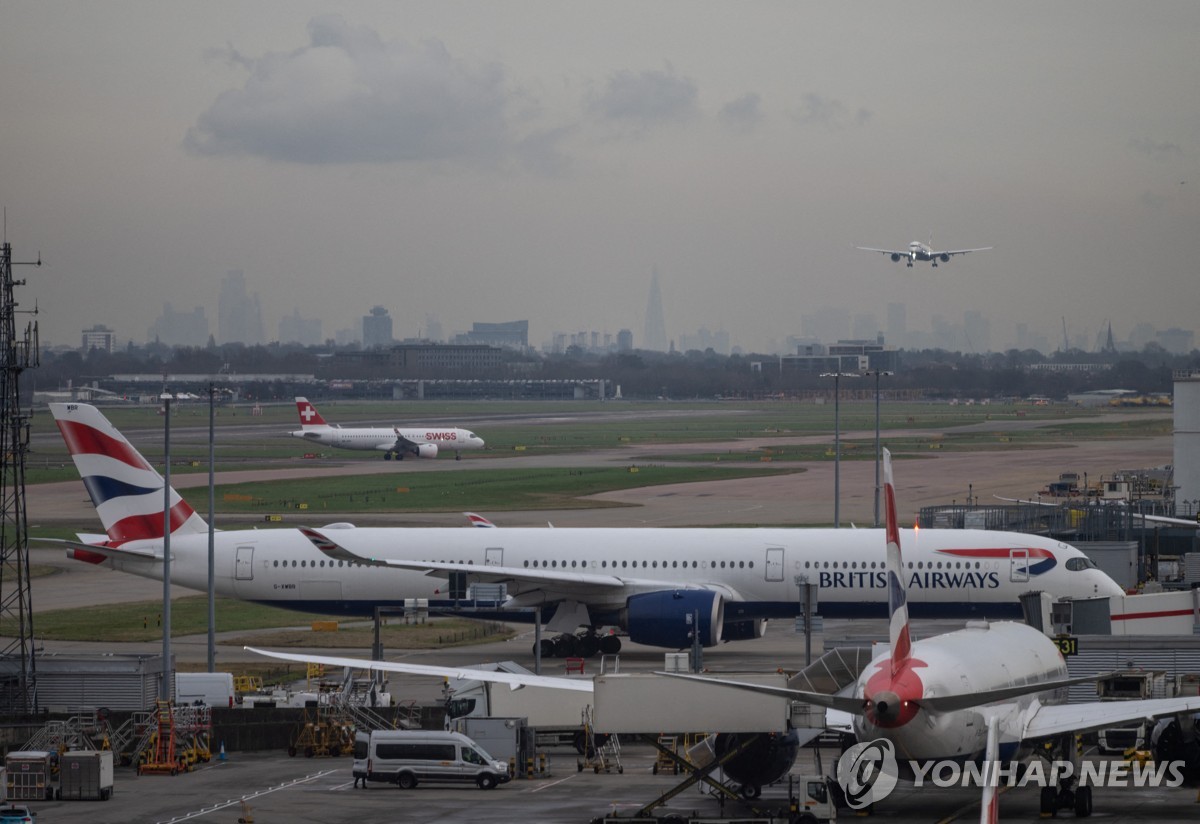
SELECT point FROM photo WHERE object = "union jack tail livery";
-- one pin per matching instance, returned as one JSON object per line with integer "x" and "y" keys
{"x": 309, "y": 416}
{"x": 898, "y": 631}
{"x": 125, "y": 489}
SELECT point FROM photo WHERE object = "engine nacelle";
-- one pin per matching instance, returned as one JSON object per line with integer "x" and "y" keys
{"x": 945, "y": 258}
{"x": 895, "y": 258}
{"x": 766, "y": 760}
{"x": 744, "y": 630}
{"x": 664, "y": 619}
{"x": 427, "y": 450}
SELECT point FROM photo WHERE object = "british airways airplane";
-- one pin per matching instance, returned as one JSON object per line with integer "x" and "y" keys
{"x": 396, "y": 441}
{"x": 647, "y": 582}
{"x": 920, "y": 251}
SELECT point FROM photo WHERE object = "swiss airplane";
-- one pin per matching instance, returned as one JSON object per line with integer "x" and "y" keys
{"x": 645, "y": 581}
{"x": 985, "y": 692}
{"x": 918, "y": 251}
{"x": 396, "y": 441}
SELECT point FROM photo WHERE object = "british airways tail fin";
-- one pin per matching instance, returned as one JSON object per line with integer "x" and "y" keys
{"x": 125, "y": 489}
{"x": 898, "y": 631}
{"x": 309, "y": 416}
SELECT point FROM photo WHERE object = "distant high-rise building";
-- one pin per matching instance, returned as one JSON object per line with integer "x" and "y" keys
{"x": 624, "y": 341}
{"x": 433, "y": 329}
{"x": 180, "y": 328}
{"x": 978, "y": 331}
{"x": 377, "y": 328}
{"x": 239, "y": 314}
{"x": 513, "y": 334}
{"x": 656, "y": 327}
{"x": 99, "y": 337}
{"x": 897, "y": 324}
{"x": 864, "y": 326}
{"x": 295, "y": 329}
{"x": 828, "y": 324}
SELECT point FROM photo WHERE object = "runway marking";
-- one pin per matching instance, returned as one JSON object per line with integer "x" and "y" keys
{"x": 203, "y": 811}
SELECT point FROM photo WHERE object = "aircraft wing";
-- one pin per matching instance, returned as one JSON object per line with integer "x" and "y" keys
{"x": 513, "y": 679}
{"x": 902, "y": 252}
{"x": 1060, "y": 719}
{"x": 850, "y": 704}
{"x": 562, "y": 581}
{"x": 959, "y": 251}
{"x": 401, "y": 441}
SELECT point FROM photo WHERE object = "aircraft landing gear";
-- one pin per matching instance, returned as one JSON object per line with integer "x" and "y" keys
{"x": 1067, "y": 796}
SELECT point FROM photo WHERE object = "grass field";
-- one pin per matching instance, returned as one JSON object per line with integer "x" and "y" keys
{"x": 494, "y": 490}
{"x": 516, "y": 429}
{"x": 142, "y": 621}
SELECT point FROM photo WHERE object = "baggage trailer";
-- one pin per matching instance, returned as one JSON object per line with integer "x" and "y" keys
{"x": 27, "y": 776}
{"x": 85, "y": 775}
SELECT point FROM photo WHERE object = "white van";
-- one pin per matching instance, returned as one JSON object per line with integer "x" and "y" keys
{"x": 408, "y": 757}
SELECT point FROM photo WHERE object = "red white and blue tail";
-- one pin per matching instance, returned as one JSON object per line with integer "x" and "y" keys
{"x": 898, "y": 631}
{"x": 125, "y": 489}
{"x": 479, "y": 521}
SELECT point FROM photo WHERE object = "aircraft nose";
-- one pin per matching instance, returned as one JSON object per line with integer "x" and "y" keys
{"x": 887, "y": 707}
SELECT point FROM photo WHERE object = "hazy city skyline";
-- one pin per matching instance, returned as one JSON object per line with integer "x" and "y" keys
{"x": 464, "y": 162}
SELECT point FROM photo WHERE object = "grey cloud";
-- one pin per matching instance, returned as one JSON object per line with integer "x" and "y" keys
{"x": 742, "y": 113}
{"x": 816, "y": 109}
{"x": 1158, "y": 151}
{"x": 646, "y": 98}
{"x": 350, "y": 97}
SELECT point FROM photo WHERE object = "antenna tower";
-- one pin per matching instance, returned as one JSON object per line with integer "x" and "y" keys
{"x": 18, "y": 682}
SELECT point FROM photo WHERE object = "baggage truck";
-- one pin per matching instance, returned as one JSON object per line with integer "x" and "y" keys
{"x": 85, "y": 775}
{"x": 213, "y": 689}
{"x": 27, "y": 776}
{"x": 556, "y": 716}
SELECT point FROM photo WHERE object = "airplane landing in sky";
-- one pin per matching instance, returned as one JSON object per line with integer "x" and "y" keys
{"x": 922, "y": 252}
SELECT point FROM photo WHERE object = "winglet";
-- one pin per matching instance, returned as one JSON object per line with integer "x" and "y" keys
{"x": 479, "y": 521}
{"x": 898, "y": 631}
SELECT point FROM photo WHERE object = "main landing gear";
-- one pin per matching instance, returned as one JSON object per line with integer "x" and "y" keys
{"x": 1068, "y": 794}
{"x": 583, "y": 645}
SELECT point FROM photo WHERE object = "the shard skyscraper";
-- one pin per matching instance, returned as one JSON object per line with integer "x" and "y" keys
{"x": 656, "y": 328}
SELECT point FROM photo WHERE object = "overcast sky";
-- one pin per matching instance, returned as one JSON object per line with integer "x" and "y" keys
{"x": 492, "y": 161}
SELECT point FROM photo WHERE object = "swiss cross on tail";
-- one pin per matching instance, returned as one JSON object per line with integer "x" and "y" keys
{"x": 898, "y": 631}
{"x": 309, "y": 416}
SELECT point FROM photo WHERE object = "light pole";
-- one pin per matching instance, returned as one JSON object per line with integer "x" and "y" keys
{"x": 878, "y": 454}
{"x": 212, "y": 528}
{"x": 837, "y": 443}
{"x": 165, "y": 686}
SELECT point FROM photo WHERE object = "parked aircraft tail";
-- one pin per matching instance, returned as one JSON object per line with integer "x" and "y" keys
{"x": 898, "y": 629}
{"x": 125, "y": 489}
{"x": 309, "y": 416}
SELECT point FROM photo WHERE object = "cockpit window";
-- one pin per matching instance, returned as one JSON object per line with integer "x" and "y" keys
{"x": 1076, "y": 564}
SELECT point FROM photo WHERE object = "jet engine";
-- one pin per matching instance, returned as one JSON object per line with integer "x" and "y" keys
{"x": 427, "y": 450}
{"x": 764, "y": 762}
{"x": 895, "y": 258}
{"x": 666, "y": 618}
{"x": 744, "y": 630}
{"x": 945, "y": 258}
